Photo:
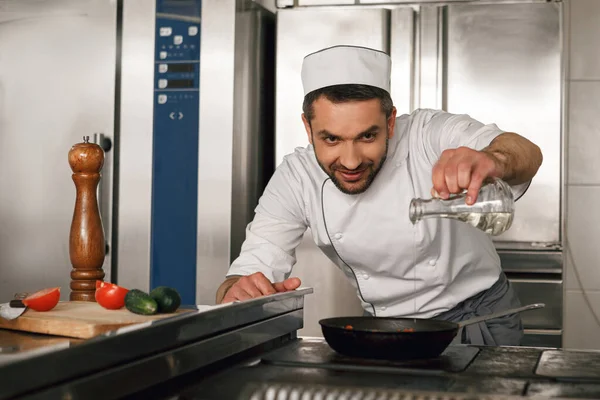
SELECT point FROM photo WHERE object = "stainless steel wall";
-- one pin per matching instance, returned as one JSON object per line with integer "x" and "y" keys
{"x": 57, "y": 79}
{"x": 254, "y": 120}
{"x": 135, "y": 144}
{"x": 236, "y": 130}
{"x": 217, "y": 74}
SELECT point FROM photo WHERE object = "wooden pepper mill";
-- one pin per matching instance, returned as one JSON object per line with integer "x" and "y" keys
{"x": 86, "y": 240}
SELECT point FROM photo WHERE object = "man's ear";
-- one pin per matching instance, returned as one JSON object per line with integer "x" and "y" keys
{"x": 307, "y": 127}
{"x": 391, "y": 123}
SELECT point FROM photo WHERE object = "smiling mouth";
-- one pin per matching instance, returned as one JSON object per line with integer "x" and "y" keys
{"x": 352, "y": 176}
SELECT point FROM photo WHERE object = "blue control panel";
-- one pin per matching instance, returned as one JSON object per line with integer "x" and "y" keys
{"x": 175, "y": 146}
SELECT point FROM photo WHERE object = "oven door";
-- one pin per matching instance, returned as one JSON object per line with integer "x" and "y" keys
{"x": 537, "y": 278}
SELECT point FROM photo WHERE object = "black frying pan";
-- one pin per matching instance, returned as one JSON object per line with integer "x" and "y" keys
{"x": 397, "y": 338}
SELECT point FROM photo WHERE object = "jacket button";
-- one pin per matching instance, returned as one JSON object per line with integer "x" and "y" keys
{"x": 338, "y": 236}
{"x": 432, "y": 263}
{"x": 366, "y": 276}
{"x": 382, "y": 308}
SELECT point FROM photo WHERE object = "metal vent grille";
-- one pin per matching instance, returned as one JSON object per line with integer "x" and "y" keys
{"x": 323, "y": 392}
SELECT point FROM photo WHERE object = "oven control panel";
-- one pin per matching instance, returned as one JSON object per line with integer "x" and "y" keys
{"x": 175, "y": 146}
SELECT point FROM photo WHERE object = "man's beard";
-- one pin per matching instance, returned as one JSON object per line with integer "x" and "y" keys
{"x": 370, "y": 178}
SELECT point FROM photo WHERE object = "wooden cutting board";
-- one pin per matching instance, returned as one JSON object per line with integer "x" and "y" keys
{"x": 78, "y": 319}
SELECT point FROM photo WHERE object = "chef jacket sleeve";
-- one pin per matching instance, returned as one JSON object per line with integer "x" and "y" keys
{"x": 444, "y": 130}
{"x": 276, "y": 230}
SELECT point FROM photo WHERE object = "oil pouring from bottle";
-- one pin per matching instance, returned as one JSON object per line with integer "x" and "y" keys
{"x": 415, "y": 272}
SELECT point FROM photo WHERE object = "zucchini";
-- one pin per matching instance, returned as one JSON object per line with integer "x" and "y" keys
{"x": 167, "y": 298}
{"x": 140, "y": 302}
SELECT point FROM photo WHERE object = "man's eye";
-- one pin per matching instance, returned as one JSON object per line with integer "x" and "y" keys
{"x": 369, "y": 136}
{"x": 330, "y": 139}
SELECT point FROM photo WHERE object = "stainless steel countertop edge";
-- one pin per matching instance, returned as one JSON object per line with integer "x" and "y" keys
{"x": 109, "y": 350}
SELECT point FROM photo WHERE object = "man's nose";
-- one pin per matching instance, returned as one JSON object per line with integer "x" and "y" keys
{"x": 350, "y": 159}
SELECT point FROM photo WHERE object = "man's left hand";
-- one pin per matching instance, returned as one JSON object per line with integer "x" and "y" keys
{"x": 464, "y": 168}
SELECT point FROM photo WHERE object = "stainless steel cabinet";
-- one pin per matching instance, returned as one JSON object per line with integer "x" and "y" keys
{"x": 503, "y": 66}
{"x": 547, "y": 291}
{"x": 57, "y": 79}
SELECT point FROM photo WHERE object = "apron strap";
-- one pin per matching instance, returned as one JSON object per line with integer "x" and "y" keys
{"x": 479, "y": 334}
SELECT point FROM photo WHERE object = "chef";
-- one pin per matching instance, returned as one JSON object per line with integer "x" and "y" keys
{"x": 352, "y": 185}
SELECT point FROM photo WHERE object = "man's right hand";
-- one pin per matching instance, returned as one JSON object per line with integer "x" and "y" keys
{"x": 257, "y": 285}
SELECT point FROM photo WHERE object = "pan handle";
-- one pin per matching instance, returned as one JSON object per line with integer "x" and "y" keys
{"x": 477, "y": 320}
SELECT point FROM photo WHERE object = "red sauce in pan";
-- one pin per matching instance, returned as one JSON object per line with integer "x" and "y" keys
{"x": 404, "y": 330}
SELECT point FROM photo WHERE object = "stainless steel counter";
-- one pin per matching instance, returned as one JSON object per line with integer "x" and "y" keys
{"x": 308, "y": 369}
{"x": 136, "y": 357}
{"x": 251, "y": 350}
{"x": 18, "y": 346}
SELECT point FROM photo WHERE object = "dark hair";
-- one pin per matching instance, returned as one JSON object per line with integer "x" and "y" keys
{"x": 345, "y": 93}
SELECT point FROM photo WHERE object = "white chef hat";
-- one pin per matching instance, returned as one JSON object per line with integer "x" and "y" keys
{"x": 343, "y": 64}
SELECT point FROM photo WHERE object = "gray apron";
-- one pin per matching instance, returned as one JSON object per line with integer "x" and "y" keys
{"x": 503, "y": 331}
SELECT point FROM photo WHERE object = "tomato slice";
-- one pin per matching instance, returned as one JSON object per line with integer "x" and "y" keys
{"x": 43, "y": 300}
{"x": 110, "y": 295}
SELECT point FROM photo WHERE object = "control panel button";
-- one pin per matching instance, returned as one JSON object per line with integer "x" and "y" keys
{"x": 165, "y": 31}
{"x": 162, "y": 98}
{"x": 162, "y": 83}
{"x": 176, "y": 115}
{"x": 162, "y": 68}
{"x": 192, "y": 30}
{"x": 177, "y": 39}
{"x": 163, "y": 55}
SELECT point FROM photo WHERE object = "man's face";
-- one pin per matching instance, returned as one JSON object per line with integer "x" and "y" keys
{"x": 350, "y": 141}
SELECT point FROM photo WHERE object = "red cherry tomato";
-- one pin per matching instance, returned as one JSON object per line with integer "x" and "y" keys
{"x": 110, "y": 296}
{"x": 43, "y": 300}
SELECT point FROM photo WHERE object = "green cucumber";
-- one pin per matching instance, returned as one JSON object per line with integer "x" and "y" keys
{"x": 167, "y": 298}
{"x": 140, "y": 302}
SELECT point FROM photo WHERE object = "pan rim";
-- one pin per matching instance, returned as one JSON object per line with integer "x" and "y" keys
{"x": 334, "y": 323}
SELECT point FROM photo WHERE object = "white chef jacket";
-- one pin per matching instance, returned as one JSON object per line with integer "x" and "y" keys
{"x": 398, "y": 269}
